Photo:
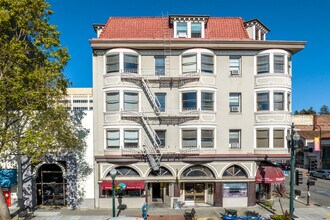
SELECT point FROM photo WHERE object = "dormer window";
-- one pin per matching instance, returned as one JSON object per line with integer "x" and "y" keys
{"x": 256, "y": 29}
{"x": 189, "y": 26}
{"x": 196, "y": 30}
{"x": 181, "y": 29}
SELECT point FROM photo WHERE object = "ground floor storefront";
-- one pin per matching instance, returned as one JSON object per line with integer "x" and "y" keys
{"x": 219, "y": 184}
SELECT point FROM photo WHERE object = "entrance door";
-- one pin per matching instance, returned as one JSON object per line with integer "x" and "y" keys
{"x": 155, "y": 190}
{"x": 195, "y": 192}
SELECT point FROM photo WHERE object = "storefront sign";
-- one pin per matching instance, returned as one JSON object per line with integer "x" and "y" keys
{"x": 8, "y": 178}
{"x": 317, "y": 144}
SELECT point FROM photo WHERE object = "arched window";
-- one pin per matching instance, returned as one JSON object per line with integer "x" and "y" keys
{"x": 234, "y": 172}
{"x": 162, "y": 172}
{"x": 125, "y": 172}
{"x": 197, "y": 172}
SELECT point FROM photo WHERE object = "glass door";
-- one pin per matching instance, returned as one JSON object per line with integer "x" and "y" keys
{"x": 195, "y": 192}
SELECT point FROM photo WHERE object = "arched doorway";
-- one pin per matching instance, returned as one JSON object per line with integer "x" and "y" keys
{"x": 198, "y": 180}
{"x": 51, "y": 185}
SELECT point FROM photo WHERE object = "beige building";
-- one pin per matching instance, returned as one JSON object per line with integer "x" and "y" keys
{"x": 79, "y": 99}
{"x": 189, "y": 109}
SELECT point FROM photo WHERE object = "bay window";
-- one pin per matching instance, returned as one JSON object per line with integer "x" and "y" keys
{"x": 130, "y": 63}
{"x": 113, "y": 139}
{"x": 206, "y": 63}
{"x": 189, "y": 138}
{"x": 207, "y": 138}
{"x": 131, "y": 101}
{"x": 262, "y": 138}
{"x": 189, "y": 101}
{"x": 263, "y": 101}
{"x": 207, "y": 101}
{"x": 131, "y": 139}
{"x": 278, "y": 63}
{"x": 189, "y": 63}
{"x": 278, "y": 101}
{"x": 263, "y": 64}
{"x": 112, "y": 63}
{"x": 112, "y": 101}
{"x": 278, "y": 138}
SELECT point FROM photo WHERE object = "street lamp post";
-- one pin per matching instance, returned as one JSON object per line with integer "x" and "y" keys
{"x": 113, "y": 173}
{"x": 293, "y": 140}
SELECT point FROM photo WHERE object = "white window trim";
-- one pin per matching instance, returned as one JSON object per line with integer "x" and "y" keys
{"x": 271, "y": 54}
{"x": 121, "y": 52}
{"x": 271, "y": 136}
{"x": 199, "y": 135}
{"x": 188, "y": 28}
{"x": 239, "y": 138}
{"x": 271, "y": 99}
{"x": 199, "y": 98}
{"x": 199, "y": 52}
{"x": 121, "y": 98}
{"x": 121, "y": 135}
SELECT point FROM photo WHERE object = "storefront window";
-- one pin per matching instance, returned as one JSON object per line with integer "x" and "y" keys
{"x": 234, "y": 190}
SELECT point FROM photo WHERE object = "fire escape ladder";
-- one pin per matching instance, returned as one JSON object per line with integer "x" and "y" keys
{"x": 151, "y": 97}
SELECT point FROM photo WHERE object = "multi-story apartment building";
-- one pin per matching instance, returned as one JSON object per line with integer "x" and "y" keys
{"x": 189, "y": 109}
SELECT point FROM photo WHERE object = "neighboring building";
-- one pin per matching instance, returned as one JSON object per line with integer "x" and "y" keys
{"x": 79, "y": 99}
{"x": 189, "y": 108}
{"x": 311, "y": 155}
{"x": 57, "y": 180}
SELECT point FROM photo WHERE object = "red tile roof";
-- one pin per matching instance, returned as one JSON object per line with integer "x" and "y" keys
{"x": 155, "y": 27}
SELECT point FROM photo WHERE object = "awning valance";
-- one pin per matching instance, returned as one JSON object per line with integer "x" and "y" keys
{"x": 130, "y": 184}
{"x": 269, "y": 174}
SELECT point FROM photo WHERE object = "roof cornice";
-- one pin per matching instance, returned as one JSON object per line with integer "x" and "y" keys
{"x": 292, "y": 46}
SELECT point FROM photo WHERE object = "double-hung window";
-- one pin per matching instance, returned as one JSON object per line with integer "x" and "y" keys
{"x": 161, "y": 97}
{"x": 278, "y": 63}
{"x": 278, "y": 101}
{"x": 234, "y": 138}
{"x": 207, "y": 101}
{"x": 234, "y": 65}
{"x": 263, "y": 64}
{"x": 112, "y": 100}
{"x": 131, "y": 138}
{"x": 207, "y": 63}
{"x": 162, "y": 137}
{"x": 263, "y": 101}
{"x": 207, "y": 138}
{"x": 189, "y": 101}
{"x": 181, "y": 29}
{"x": 112, "y": 63}
{"x": 189, "y": 138}
{"x": 196, "y": 30}
{"x": 131, "y": 63}
{"x": 234, "y": 102}
{"x": 278, "y": 139}
{"x": 113, "y": 138}
{"x": 263, "y": 138}
{"x": 189, "y": 63}
{"x": 131, "y": 101}
{"x": 160, "y": 65}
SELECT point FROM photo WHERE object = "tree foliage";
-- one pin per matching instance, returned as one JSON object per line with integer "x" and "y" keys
{"x": 324, "y": 110}
{"x": 309, "y": 111}
{"x": 32, "y": 121}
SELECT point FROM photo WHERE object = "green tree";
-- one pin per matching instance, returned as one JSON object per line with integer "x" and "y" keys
{"x": 309, "y": 111}
{"x": 32, "y": 122}
{"x": 324, "y": 110}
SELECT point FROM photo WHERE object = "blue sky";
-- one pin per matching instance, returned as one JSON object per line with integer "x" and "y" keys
{"x": 298, "y": 20}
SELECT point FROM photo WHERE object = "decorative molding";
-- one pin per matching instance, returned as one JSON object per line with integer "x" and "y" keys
{"x": 99, "y": 52}
{"x": 236, "y": 52}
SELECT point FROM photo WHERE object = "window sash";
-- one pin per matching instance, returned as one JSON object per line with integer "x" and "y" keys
{"x": 234, "y": 136}
{"x": 131, "y": 101}
{"x": 112, "y": 101}
{"x": 131, "y": 138}
{"x": 234, "y": 99}
{"x": 113, "y": 139}
{"x": 162, "y": 101}
{"x": 130, "y": 63}
{"x": 278, "y": 63}
{"x": 278, "y": 101}
{"x": 112, "y": 63}
{"x": 234, "y": 63}
{"x": 263, "y": 101}
{"x": 181, "y": 27}
{"x": 207, "y": 63}
{"x": 278, "y": 139}
{"x": 207, "y": 101}
{"x": 189, "y": 63}
{"x": 160, "y": 66}
{"x": 196, "y": 30}
{"x": 262, "y": 138}
{"x": 189, "y": 101}
{"x": 162, "y": 137}
{"x": 263, "y": 64}
{"x": 189, "y": 138}
{"x": 207, "y": 138}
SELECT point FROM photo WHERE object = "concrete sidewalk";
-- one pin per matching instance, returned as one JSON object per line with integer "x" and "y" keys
{"x": 166, "y": 213}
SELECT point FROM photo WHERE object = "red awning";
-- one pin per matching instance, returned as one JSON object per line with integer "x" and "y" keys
{"x": 269, "y": 174}
{"x": 130, "y": 184}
